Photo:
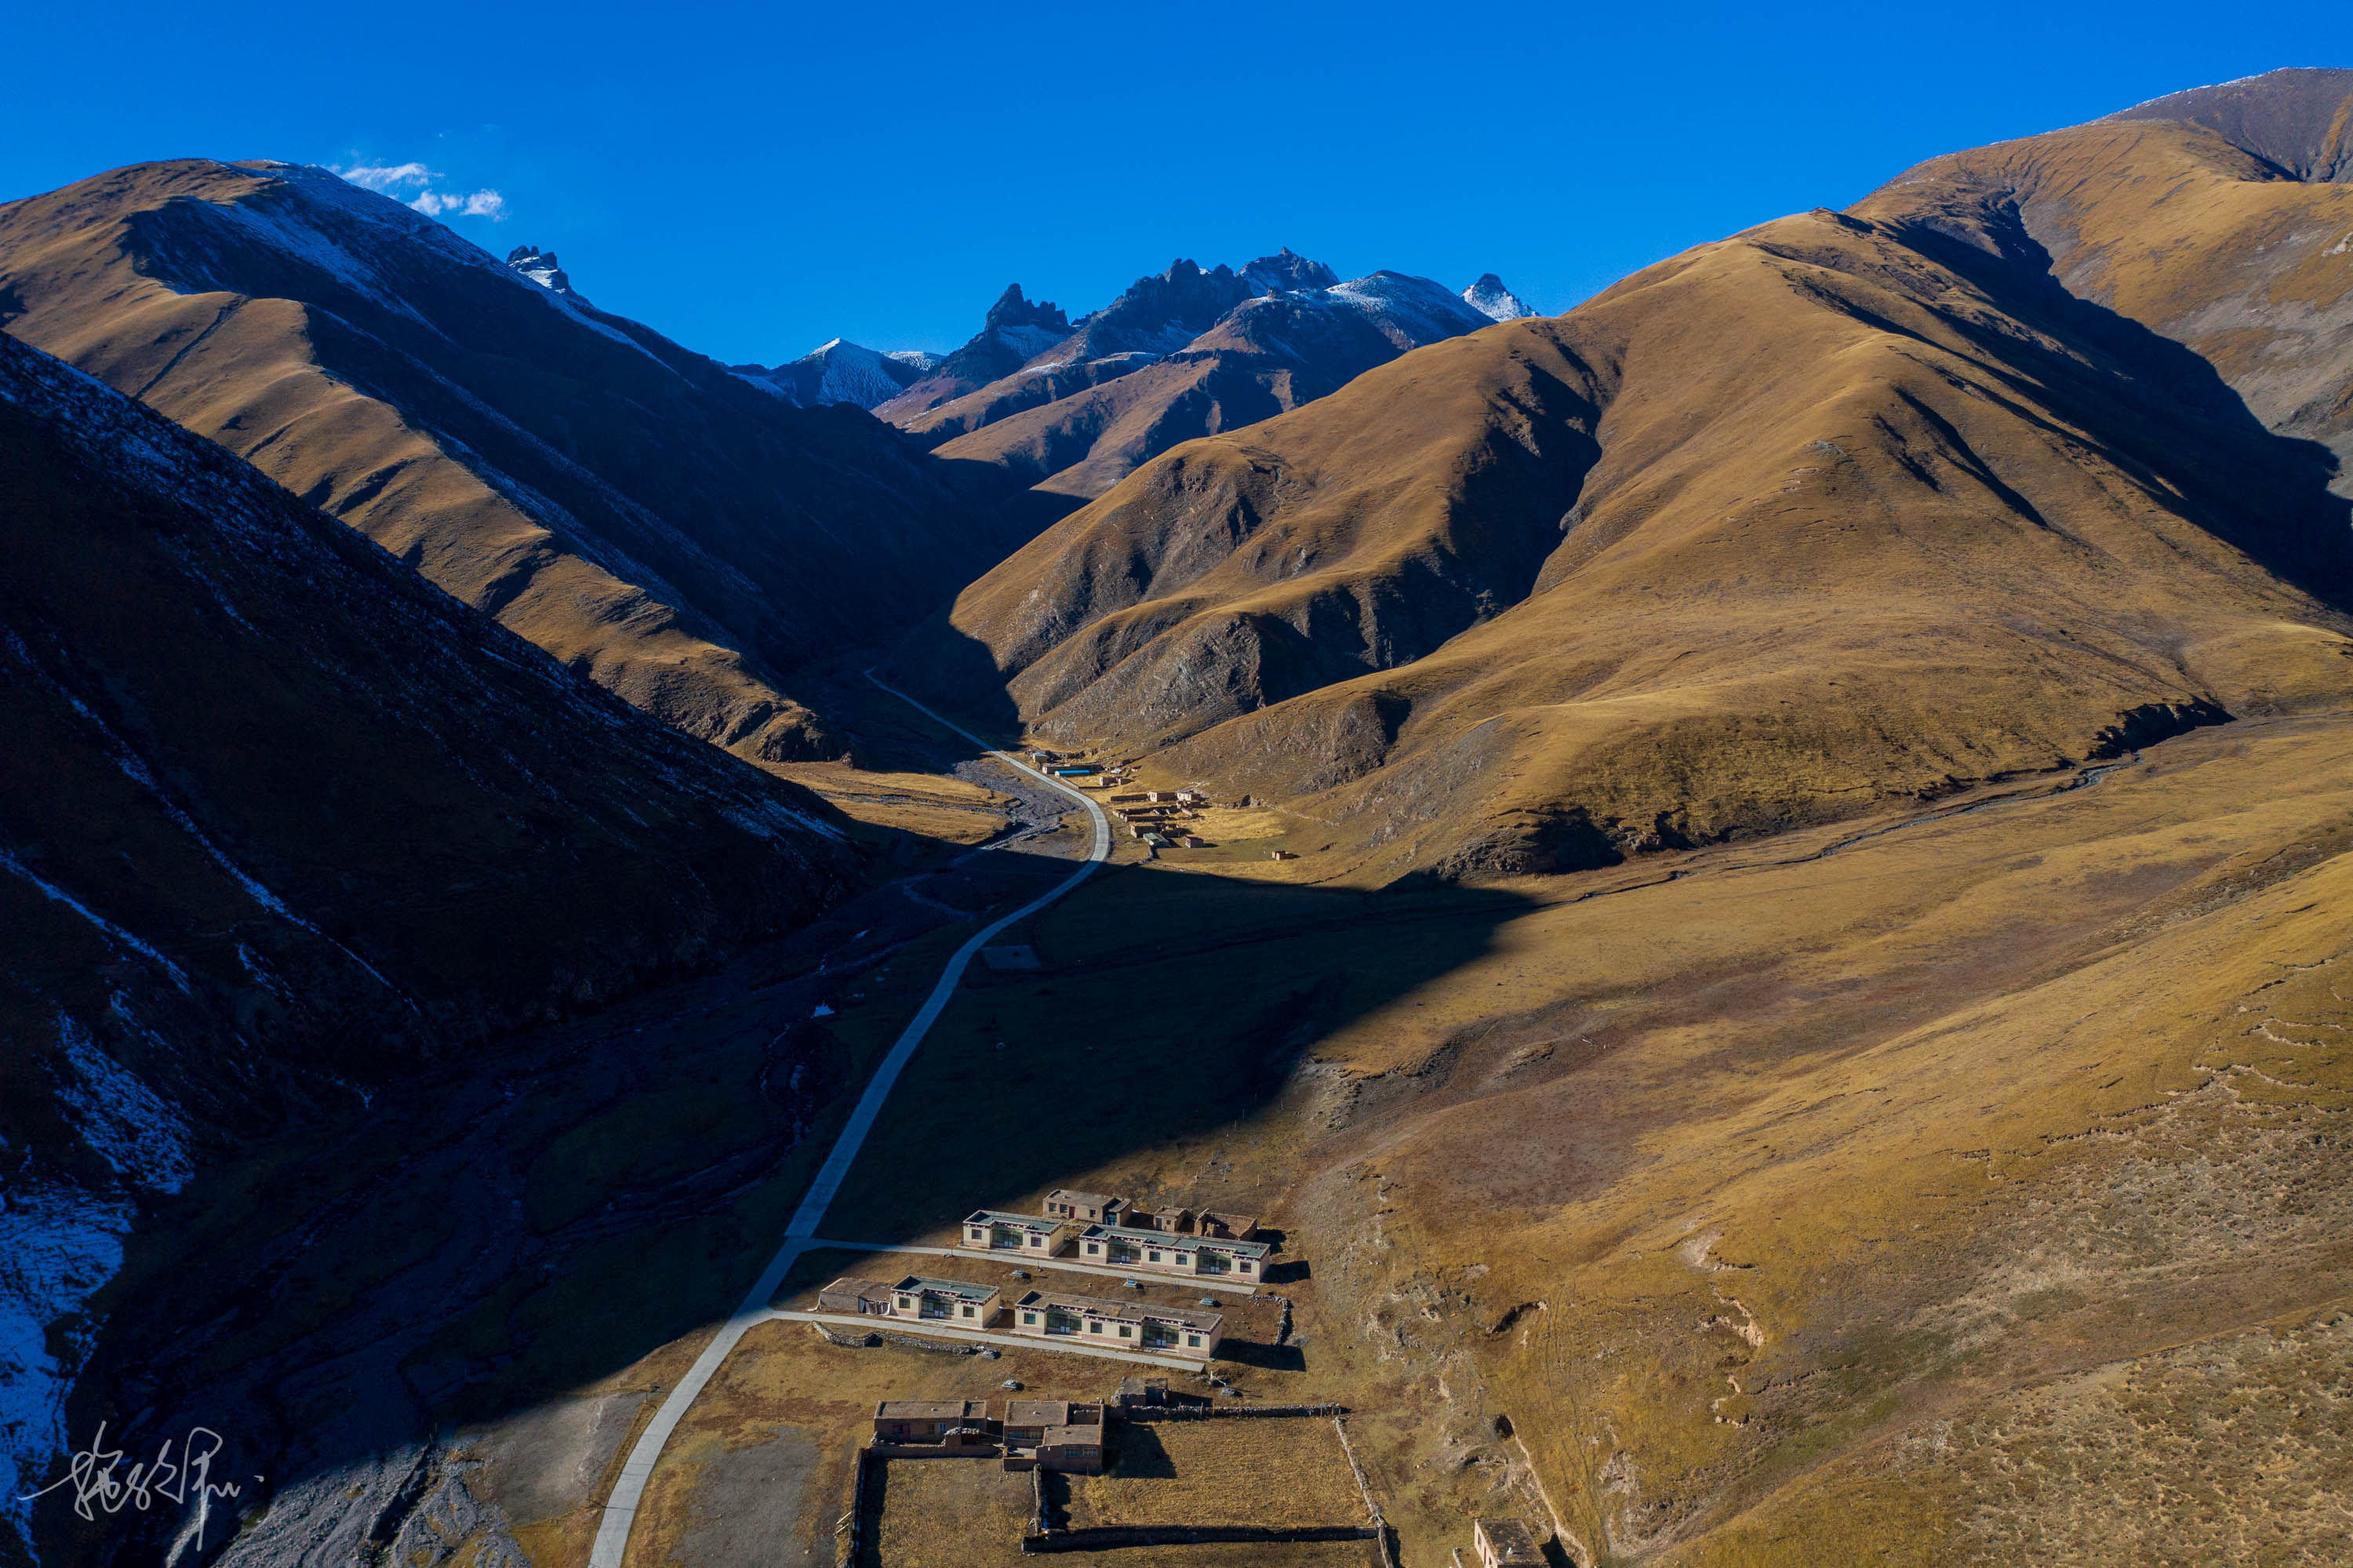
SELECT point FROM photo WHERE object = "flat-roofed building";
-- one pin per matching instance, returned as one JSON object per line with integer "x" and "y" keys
{"x": 1229, "y": 1226}
{"x": 1169, "y": 1221}
{"x": 991, "y": 1230}
{"x": 1193, "y": 1257}
{"x": 867, "y": 1297}
{"x": 1086, "y": 1208}
{"x": 934, "y": 1420}
{"x": 1505, "y": 1544}
{"x": 956, "y": 1301}
{"x": 1118, "y": 1325}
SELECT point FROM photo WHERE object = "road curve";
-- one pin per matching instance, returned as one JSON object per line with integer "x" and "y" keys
{"x": 621, "y": 1506}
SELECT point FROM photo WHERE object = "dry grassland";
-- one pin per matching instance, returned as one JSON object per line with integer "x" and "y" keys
{"x": 1736, "y": 1194}
{"x": 951, "y": 1513}
{"x": 933, "y": 805}
{"x": 1275, "y": 1471}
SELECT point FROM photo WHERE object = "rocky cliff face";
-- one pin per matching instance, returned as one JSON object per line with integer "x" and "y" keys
{"x": 1184, "y": 354}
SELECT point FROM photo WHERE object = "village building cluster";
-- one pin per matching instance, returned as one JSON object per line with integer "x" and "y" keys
{"x": 1098, "y": 1229}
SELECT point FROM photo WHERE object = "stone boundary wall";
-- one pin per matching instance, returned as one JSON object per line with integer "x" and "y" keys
{"x": 1104, "y": 1538}
{"x": 1226, "y": 1412}
{"x": 865, "y": 1482}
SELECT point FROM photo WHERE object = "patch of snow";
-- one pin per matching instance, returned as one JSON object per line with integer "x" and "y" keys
{"x": 57, "y": 1247}
{"x": 1028, "y": 342}
{"x": 128, "y": 1124}
{"x": 1491, "y": 299}
{"x": 57, "y": 894}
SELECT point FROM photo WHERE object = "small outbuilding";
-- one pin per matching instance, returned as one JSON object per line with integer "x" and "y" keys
{"x": 1229, "y": 1226}
{"x": 1505, "y": 1544}
{"x": 866, "y": 1297}
{"x": 1089, "y": 1208}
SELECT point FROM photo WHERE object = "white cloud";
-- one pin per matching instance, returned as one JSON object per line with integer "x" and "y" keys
{"x": 397, "y": 179}
{"x": 385, "y": 176}
{"x": 473, "y": 204}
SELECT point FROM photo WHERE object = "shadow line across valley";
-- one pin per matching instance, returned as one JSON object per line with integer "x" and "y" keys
{"x": 340, "y": 1301}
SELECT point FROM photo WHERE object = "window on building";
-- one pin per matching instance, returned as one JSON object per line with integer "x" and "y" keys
{"x": 1028, "y": 1317}
{"x": 1156, "y": 1257}
{"x": 1094, "y": 1327}
{"x": 1193, "y": 1340}
{"x": 1126, "y": 1331}
{"x": 1244, "y": 1266}
{"x": 967, "y": 1311}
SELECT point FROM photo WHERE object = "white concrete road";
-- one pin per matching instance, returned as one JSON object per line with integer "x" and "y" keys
{"x": 621, "y": 1506}
{"x": 985, "y": 1336}
{"x": 1184, "y": 1281}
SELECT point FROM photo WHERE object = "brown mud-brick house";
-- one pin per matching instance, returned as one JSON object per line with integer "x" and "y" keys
{"x": 1054, "y": 1434}
{"x": 1086, "y": 1208}
{"x": 990, "y": 1230}
{"x": 1192, "y": 1257}
{"x": 866, "y": 1297}
{"x": 1230, "y": 1227}
{"x": 956, "y": 1301}
{"x": 1170, "y": 1222}
{"x": 952, "y": 1425}
{"x": 1118, "y": 1325}
{"x": 1505, "y": 1544}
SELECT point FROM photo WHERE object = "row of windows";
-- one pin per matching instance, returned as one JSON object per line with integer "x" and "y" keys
{"x": 1125, "y": 1331}
{"x": 1094, "y": 1249}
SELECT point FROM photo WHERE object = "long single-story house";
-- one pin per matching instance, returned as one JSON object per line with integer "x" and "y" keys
{"x": 957, "y": 1301}
{"x": 867, "y": 1297}
{"x": 1155, "y": 1253}
{"x": 1088, "y": 1208}
{"x": 990, "y": 1230}
{"x": 1123, "y": 1325}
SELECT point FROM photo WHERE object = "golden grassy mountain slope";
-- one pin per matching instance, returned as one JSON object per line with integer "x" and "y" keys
{"x": 633, "y": 508}
{"x": 1848, "y": 506}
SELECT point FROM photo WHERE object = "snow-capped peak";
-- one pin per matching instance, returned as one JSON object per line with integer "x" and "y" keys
{"x": 541, "y": 268}
{"x": 839, "y": 371}
{"x": 1490, "y": 298}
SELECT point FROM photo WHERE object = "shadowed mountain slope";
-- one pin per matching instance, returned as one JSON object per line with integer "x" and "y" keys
{"x": 1843, "y": 508}
{"x": 281, "y": 818}
{"x": 2225, "y": 226}
{"x": 632, "y": 507}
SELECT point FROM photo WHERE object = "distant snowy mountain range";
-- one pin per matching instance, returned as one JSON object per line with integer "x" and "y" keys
{"x": 1407, "y": 310}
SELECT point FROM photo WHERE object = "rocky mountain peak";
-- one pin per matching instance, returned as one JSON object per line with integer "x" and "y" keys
{"x": 1286, "y": 270}
{"x": 1013, "y": 309}
{"x": 541, "y": 268}
{"x": 1490, "y": 298}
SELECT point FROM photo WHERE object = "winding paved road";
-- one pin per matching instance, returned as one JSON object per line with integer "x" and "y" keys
{"x": 621, "y": 1507}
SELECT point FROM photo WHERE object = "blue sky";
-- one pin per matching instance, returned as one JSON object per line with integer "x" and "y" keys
{"x": 754, "y": 179}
